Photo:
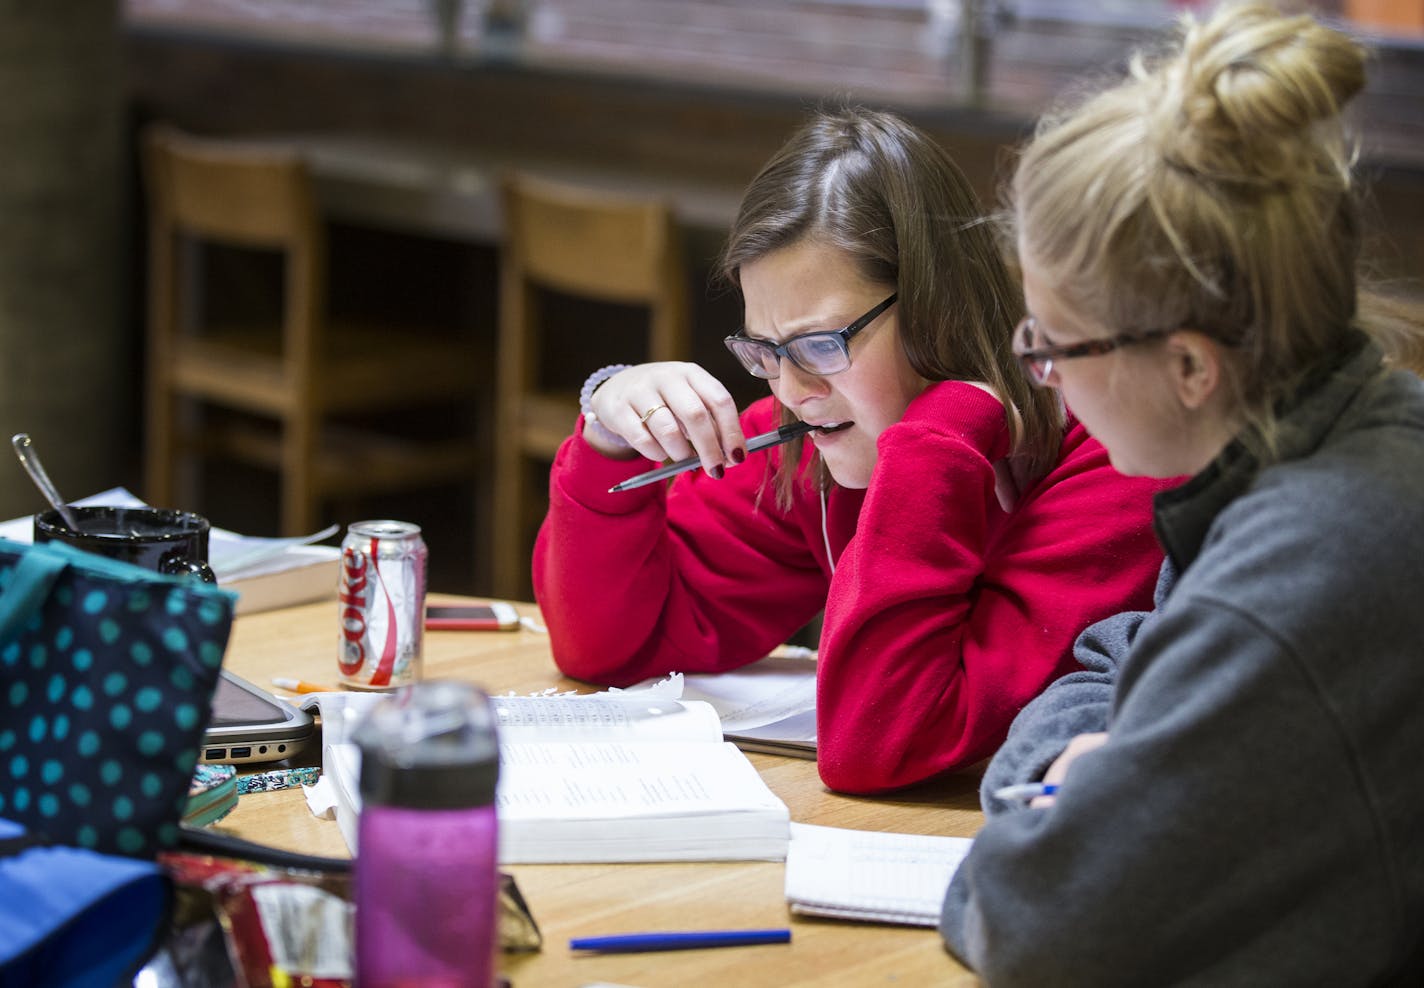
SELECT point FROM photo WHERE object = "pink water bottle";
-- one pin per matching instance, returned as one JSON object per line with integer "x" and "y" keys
{"x": 426, "y": 861}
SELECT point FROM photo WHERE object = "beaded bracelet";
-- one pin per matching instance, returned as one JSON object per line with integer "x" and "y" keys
{"x": 590, "y": 420}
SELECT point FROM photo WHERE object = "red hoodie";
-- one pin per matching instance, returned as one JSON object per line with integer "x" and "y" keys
{"x": 944, "y": 615}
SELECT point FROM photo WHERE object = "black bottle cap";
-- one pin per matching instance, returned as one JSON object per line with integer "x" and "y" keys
{"x": 431, "y": 745}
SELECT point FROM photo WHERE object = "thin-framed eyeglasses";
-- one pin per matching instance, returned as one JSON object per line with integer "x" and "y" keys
{"x": 821, "y": 353}
{"x": 1037, "y": 362}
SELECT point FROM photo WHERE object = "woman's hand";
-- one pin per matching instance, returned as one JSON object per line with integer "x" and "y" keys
{"x": 1081, "y": 744}
{"x": 669, "y": 411}
{"x": 1011, "y": 476}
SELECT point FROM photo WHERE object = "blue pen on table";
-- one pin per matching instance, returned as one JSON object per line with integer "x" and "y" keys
{"x": 624, "y": 943}
{"x": 1026, "y": 791}
{"x": 775, "y": 438}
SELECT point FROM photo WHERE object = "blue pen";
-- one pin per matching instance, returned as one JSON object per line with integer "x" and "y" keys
{"x": 1025, "y": 792}
{"x": 624, "y": 943}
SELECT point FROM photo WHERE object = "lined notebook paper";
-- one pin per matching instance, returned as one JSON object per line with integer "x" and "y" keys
{"x": 868, "y": 876}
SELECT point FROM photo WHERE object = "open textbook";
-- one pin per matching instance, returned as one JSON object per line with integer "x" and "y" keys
{"x": 768, "y": 706}
{"x": 868, "y": 876}
{"x": 604, "y": 777}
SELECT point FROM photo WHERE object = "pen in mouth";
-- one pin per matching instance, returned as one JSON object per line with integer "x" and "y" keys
{"x": 764, "y": 441}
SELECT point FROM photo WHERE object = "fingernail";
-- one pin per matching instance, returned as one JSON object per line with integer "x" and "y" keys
{"x": 738, "y": 455}
{"x": 717, "y": 472}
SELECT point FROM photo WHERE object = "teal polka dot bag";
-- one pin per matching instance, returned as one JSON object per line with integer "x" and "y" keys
{"x": 107, "y": 672}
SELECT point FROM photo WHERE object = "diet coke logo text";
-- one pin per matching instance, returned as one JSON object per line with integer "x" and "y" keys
{"x": 352, "y": 599}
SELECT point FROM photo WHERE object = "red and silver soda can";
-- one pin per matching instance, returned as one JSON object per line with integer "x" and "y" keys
{"x": 381, "y": 604}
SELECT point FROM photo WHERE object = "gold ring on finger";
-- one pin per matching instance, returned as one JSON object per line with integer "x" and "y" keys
{"x": 649, "y": 414}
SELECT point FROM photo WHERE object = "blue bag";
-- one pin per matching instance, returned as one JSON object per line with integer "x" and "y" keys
{"x": 107, "y": 673}
{"x": 71, "y": 918}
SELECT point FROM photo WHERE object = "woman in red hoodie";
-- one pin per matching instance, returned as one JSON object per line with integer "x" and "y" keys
{"x": 957, "y": 529}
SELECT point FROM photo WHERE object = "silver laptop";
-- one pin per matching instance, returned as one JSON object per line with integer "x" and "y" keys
{"x": 251, "y": 725}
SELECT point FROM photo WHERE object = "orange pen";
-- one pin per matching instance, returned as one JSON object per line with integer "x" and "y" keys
{"x": 301, "y": 685}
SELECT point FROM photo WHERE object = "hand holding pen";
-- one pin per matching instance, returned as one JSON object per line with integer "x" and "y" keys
{"x": 664, "y": 411}
{"x": 1042, "y": 794}
{"x": 687, "y": 411}
{"x": 1025, "y": 792}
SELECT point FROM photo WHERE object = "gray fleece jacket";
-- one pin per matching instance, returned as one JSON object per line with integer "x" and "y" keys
{"x": 1257, "y": 814}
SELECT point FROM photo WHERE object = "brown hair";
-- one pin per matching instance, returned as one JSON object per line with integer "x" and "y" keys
{"x": 1211, "y": 190}
{"x": 883, "y": 192}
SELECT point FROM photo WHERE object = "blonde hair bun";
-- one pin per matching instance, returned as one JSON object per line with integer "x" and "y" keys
{"x": 1212, "y": 190}
{"x": 1239, "y": 99}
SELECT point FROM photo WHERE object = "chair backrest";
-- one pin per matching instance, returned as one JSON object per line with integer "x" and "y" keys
{"x": 223, "y": 191}
{"x": 229, "y": 192}
{"x": 596, "y": 245}
{"x": 586, "y": 244}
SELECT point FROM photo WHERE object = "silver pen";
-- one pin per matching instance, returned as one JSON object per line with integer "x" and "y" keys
{"x": 767, "y": 439}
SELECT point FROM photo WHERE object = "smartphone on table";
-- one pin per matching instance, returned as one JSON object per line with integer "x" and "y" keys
{"x": 494, "y": 616}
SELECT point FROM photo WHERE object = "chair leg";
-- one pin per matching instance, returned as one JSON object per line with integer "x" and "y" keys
{"x": 299, "y": 497}
{"x": 481, "y": 434}
{"x": 160, "y": 447}
{"x": 510, "y": 569}
{"x": 517, "y": 341}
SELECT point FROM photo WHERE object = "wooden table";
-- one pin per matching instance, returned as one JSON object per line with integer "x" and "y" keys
{"x": 583, "y": 900}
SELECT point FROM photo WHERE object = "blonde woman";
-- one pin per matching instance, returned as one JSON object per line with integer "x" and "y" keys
{"x": 1237, "y": 792}
{"x": 956, "y": 547}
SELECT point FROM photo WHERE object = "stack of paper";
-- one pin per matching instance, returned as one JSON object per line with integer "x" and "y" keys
{"x": 768, "y": 706}
{"x": 269, "y": 573}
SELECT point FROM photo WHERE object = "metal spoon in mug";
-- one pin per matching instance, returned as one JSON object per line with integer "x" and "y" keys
{"x": 30, "y": 460}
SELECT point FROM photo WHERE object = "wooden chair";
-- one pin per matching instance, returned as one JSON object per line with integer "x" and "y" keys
{"x": 584, "y": 244}
{"x": 275, "y": 395}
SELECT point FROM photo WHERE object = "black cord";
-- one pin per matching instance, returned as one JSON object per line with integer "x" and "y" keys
{"x": 206, "y": 841}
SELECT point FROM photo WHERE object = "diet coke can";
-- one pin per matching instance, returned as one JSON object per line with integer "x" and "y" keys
{"x": 381, "y": 604}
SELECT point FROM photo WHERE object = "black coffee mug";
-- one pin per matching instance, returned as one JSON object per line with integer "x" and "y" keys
{"x": 172, "y": 542}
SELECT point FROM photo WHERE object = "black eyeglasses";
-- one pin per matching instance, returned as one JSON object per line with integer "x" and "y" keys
{"x": 820, "y": 353}
{"x": 1037, "y": 362}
